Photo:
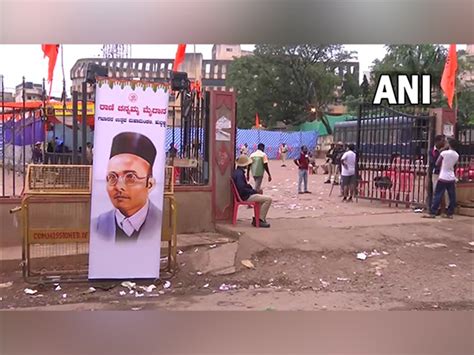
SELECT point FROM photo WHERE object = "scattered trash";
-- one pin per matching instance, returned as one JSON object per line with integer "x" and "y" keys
{"x": 58, "y": 288}
{"x": 323, "y": 257}
{"x": 324, "y": 283}
{"x": 136, "y": 308}
{"x": 167, "y": 284}
{"x": 137, "y": 294}
{"x": 213, "y": 246}
{"x": 436, "y": 245}
{"x": 122, "y": 293}
{"x": 418, "y": 210}
{"x": 1, "y": 299}
{"x": 374, "y": 253}
{"x": 37, "y": 296}
{"x": 361, "y": 256}
{"x": 180, "y": 252}
{"x": 206, "y": 286}
{"x": 29, "y": 291}
{"x": 6, "y": 284}
{"x": 153, "y": 295}
{"x": 131, "y": 292}
{"x": 196, "y": 250}
{"x": 64, "y": 295}
{"x": 471, "y": 244}
{"x": 378, "y": 273}
{"x": 129, "y": 285}
{"x": 147, "y": 289}
{"x": 161, "y": 292}
{"x": 199, "y": 273}
{"x": 224, "y": 287}
{"x": 248, "y": 264}
{"x": 275, "y": 261}
{"x": 90, "y": 290}
{"x": 452, "y": 265}
{"x": 384, "y": 253}
{"x": 305, "y": 241}
{"x": 343, "y": 279}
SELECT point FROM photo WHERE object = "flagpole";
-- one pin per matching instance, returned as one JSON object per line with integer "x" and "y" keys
{"x": 64, "y": 99}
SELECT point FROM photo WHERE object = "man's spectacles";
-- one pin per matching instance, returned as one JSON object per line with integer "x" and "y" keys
{"x": 128, "y": 179}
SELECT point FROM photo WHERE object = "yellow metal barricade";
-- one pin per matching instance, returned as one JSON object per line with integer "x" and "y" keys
{"x": 55, "y": 213}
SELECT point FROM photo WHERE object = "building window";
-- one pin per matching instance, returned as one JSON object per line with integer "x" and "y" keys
{"x": 228, "y": 50}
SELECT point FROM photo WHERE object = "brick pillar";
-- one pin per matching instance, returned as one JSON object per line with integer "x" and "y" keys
{"x": 222, "y": 128}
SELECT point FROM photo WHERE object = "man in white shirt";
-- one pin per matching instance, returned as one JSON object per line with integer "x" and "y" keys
{"x": 129, "y": 182}
{"x": 348, "y": 168}
{"x": 446, "y": 181}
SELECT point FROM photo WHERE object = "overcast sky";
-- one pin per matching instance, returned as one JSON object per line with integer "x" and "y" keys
{"x": 17, "y": 61}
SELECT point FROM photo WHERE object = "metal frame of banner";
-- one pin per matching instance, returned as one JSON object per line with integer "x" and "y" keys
{"x": 37, "y": 257}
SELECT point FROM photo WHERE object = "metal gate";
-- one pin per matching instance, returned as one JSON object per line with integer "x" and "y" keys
{"x": 465, "y": 166}
{"x": 392, "y": 155}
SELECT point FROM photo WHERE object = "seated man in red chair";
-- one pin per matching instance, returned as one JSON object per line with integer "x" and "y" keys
{"x": 247, "y": 193}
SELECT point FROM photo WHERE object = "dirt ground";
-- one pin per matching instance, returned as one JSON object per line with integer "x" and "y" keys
{"x": 307, "y": 260}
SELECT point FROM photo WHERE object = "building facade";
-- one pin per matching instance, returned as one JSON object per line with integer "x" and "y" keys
{"x": 33, "y": 92}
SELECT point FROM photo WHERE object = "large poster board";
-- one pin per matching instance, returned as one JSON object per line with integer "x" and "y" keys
{"x": 128, "y": 179}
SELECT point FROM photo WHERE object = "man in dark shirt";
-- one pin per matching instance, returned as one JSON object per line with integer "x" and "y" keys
{"x": 247, "y": 193}
{"x": 303, "y": 162}
{"x": 37, "y": 154}
{"x": 336, "y": 160}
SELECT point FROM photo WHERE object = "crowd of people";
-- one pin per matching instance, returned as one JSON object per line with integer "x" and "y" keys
{"x": 340, "y": 160}
{"x": 340, "y": 165}
{"x": 56, "y": 152}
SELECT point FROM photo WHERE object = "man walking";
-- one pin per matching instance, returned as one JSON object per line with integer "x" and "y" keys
{"x": 259, "y": 166}
{"x": 303, "y": 163}
{"x": 247, "y": 193}
{"x": 349, "y": 180}
{"x": 283, "y": 153}
{"x": 447, "y": 180}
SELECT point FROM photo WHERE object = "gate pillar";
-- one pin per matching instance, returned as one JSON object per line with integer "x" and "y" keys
{"x": 222, "y": 139}
{"x": 445, "y": 121}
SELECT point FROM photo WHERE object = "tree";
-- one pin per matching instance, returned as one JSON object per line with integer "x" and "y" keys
{"x": 350, "y": 86}
{"x": 365, "y": 87}
{"x": 283, "y": 83}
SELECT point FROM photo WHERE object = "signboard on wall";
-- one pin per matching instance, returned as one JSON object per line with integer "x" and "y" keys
{"x": 128, "y": 179}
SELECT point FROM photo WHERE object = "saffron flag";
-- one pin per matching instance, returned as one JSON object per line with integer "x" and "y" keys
{"x": 179, "y": 56}
{"x": 50, "y": 51}
{"x": 257, "y": 121}
{"x": 448, "y": 81}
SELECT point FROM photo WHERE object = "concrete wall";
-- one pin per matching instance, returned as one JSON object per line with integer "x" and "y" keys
{"x": 10, "y": 234}
{"x": 194, "y": 215}
{"x": 194, "y": 211}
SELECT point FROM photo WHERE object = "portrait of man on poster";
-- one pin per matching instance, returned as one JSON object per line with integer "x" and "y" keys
{"x": 129, "y": 181}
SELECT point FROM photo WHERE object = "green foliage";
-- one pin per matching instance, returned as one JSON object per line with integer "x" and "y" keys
{"x": 282, "y": 83}
{"x": 350, "y": 86}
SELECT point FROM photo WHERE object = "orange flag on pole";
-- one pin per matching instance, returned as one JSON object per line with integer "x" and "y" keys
{"x": 50, "y": 51}
{"x": 448, "y": 81}
{"x": 180, "y": 53}
{"x": 257, "y": 121}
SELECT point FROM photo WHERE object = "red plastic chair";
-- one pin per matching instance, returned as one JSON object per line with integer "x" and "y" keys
{"x": 238, "y": 201}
